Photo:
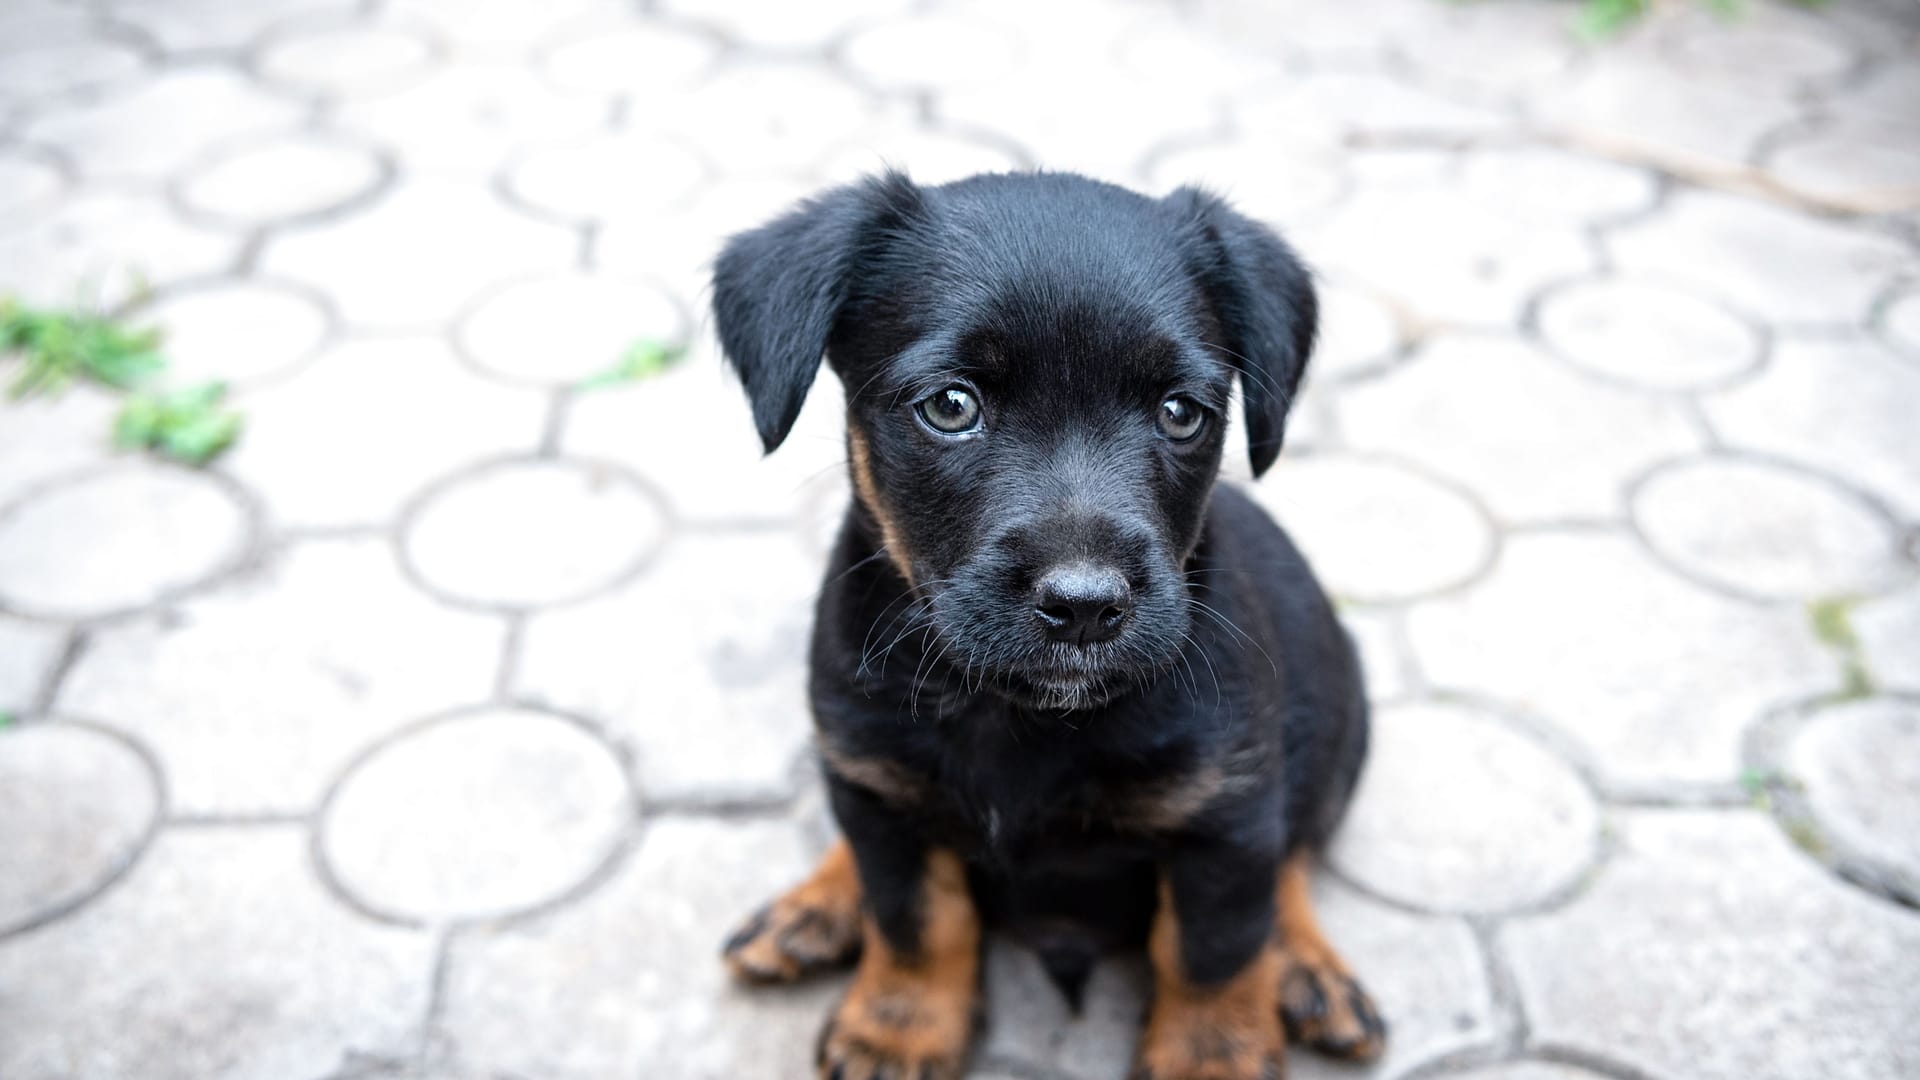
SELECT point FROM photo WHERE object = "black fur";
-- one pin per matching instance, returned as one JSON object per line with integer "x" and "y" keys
{"x": 1224, "y": 725}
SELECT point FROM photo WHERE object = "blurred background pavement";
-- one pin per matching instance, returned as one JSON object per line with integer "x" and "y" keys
{"x": 434, "y": 732}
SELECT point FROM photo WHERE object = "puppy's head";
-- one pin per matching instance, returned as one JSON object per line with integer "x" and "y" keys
{"x": 1038, "y": 370}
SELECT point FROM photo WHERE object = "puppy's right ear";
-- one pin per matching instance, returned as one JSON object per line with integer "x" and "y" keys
{"x": 778, "y": 290}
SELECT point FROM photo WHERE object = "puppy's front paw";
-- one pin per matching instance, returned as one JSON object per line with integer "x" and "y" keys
{"x": 815, "y": 925}
{"x": 899, "y": 1033}
{"x": 791, "y": 937}
{"x": 1326, "y": 1008}
{"x": 1209, "y": 1046}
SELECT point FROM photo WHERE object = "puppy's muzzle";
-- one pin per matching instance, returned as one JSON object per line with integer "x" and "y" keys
{"x": 1082, "y": 603}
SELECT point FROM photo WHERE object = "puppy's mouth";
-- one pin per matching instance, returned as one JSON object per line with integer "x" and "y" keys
{"x": 1069, "y": 678}
{"x": 1059, "y": 693}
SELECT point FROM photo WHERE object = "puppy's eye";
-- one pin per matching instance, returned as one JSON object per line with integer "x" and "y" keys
{"x": 953, "y": 411}
{"x": 1180, "y": 419}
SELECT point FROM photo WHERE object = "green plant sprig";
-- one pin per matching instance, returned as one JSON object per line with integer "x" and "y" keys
{"x": 57, "y": 348}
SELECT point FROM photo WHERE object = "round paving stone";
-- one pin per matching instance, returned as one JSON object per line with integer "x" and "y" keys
{"x": 77, "y": 806}
{"x": 1376, "y": 531}
{"x": 117, "y": 539}
{"x": 1765, "y": 530}
{"x": 1650, "y": 334}
{"x": 528, "y": 534}
{"x": 239, "y": 332}
{"x": 1860, "y": 763}
{"x": 347, "y": 60}
{"x": 556, "y": 331}
{"x": 1457, "y": 812}
{"x": 292, "y": 176}
{"x": 479, "y": 815}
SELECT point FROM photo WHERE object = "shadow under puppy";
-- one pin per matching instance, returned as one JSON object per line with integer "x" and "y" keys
{"x": 1064, "y": 685}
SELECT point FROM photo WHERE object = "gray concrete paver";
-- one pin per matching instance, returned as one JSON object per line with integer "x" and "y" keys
{"x": 1711, "y": 948}
{"x": 284, "y": 983}
{"x": 1844, "y": 405}
{"x": 476, "y": 815}
{"x": 159, "y": 125}
{"x": 354, "y": 435}
{"x": 81, "y": 805}
{"x": 1377, "y": 531}
{"x": 121, "y": 538}
{"x": 256, "y": 693}
{"x": 1535, "y": 440}
{"x": 532, "y": 533}
{"x": 1764, "y": 530}
{"x": 1655, "y": 676}
{"x": 1859, "y": 766}
{"x": 1458, "y": 812}
{"x": 238, "y": 332}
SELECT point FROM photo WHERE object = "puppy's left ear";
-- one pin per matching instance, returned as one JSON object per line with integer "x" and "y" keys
{"x": 778, "y": 290}
{"x": 1263, "y": 299}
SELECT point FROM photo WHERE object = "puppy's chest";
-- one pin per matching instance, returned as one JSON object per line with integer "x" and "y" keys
{"x": 1063, "y": 802}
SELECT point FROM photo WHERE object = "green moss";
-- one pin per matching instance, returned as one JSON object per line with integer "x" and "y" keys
{"x": 1806, "y": 838}
{"x": 1832, "y": 618}
{"x": 642, "y": 360}
{"x": 1858, "y": 682}
{"x": 1833, "y": 621}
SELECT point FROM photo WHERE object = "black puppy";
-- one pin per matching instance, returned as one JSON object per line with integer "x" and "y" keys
{"x": 1064, "y": 685}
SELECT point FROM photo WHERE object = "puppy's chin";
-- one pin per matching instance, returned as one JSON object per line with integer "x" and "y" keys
{"x": 1058, "y": 693}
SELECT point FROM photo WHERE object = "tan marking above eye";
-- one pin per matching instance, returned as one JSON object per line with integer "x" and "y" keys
{"x": 860, "y": 462}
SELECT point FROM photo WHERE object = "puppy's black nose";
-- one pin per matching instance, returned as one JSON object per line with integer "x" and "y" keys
{"x": 1082, "y": 603}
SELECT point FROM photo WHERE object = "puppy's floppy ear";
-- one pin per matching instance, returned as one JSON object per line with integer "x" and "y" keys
{"x": 778, "y": 290}
{"x": 1263, "y": 299}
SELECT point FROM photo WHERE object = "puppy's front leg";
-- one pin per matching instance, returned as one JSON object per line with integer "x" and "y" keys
{"x": 911, "y": 1011}
{"x": 1215, "y": 971}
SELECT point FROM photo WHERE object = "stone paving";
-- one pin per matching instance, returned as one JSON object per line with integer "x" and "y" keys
{"x": 432, "y": 733}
